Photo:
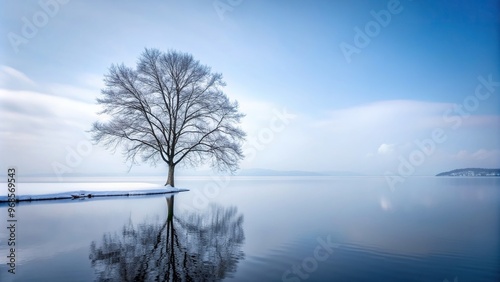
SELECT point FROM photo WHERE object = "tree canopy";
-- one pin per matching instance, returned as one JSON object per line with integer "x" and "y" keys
{"x": 170, "y": 108}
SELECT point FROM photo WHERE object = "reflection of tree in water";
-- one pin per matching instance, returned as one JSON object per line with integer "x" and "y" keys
{"x": 191, "y": 247}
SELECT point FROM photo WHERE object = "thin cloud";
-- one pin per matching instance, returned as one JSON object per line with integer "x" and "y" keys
{"x": 385, "y": 149}
{"x": 10, "y": 76}
{"x": 481, "y": 154}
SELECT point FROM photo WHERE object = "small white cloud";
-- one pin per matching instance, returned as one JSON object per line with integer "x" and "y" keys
{"x": 10, "y": 75}
{"x": 386, "y": 149}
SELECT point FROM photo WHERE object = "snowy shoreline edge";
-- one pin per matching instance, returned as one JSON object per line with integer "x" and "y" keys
{"x": 81, "y": 194}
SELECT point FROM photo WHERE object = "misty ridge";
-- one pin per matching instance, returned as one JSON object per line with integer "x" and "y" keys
{"x": 471, "y": 172}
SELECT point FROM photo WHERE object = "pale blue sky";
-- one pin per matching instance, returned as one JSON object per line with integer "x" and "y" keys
{"x": 359, "y": 116}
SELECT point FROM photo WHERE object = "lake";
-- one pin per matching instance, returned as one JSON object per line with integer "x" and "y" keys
{"x": 266, "y": 229}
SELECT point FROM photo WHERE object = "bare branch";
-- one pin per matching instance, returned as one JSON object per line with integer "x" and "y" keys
{"x": 170, "y": 108}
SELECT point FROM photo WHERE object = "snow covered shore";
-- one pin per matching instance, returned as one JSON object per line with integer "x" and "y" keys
{"x": 60, "y": 191}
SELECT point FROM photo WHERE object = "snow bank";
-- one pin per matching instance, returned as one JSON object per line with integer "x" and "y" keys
{"x": 59, "y": 191}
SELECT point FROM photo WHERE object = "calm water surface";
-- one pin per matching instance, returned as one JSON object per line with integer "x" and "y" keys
{"x": 267, "y": 229}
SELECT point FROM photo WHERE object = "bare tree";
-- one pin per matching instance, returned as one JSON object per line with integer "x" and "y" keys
{"x": 170, "y": 108}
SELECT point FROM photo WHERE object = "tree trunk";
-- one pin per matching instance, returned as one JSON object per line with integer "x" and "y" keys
{"x": 170, "y": 206}
{"x": 170, "y": 179}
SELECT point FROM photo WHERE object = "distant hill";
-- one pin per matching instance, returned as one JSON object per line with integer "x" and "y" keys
{"x": 472, "y": 172}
